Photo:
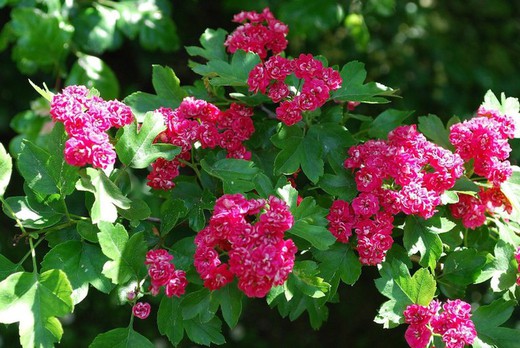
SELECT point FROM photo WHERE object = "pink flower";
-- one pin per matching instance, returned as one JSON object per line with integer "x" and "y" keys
{"x": 141, "y": 310}
{"x": 418, "y": 336}
{"x": 86, "y": 119}
{"x": 259, "y": 33}
{"x": 257, "y": 253}
{"x": 163, "y": 273}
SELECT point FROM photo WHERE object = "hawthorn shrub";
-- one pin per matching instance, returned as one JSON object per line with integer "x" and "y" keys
{"x": 261, "y": 180}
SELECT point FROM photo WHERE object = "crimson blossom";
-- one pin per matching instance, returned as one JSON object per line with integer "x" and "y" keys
{"x": 318, "y": 81}
{"x": 259, "y": 33}
{"x": 163, "y": 274}
{"x": 407, "y": 173}
{"x": 256, "y": 252}
{"x": 87, "y": 118}
{"x": 453, "y": 324}
{"x": 196, "y": 121}
{"x": 482, "y": 142}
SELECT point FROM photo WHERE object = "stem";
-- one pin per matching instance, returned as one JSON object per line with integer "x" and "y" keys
{"x": 33, "y": 255}
{"x": 192, "y": 166}
{"x": 29, "y": 252}
{"x": 10, "y": 210}
{"x": 65, "y": 208}
{"x": 269, "y": 113}
{"x": 58, "y": 227}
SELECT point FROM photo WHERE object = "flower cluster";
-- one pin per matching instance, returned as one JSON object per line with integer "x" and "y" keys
{"x": 197, "y": 121}
{"x": 405, "y": 174}
{"x": 453, "y": 324}
{"x": 372, "y": 226}
{"x": 257, "y": 253}
{"x": 141, "y": 310}
{"x": 86, "y": 119}
{"x": 318, "y": 81}
{"x": 472, "y": 209}
{"x": 517, "y": 258}
{"x": 484, "y": 139}
{"x": 163, "y": 273}
{"x": 259, "y": 33}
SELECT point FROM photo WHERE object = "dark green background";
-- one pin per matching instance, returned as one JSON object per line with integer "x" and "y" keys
{"x": 442, "y": 55}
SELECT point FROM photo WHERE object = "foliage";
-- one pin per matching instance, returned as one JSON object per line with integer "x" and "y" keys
{"x": 94, "y": 226}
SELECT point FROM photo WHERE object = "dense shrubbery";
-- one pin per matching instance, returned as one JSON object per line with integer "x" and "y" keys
{"x": 260, "y": 179}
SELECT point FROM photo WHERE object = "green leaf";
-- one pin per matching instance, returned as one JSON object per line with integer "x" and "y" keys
{"x": 310, "y": 18}
{"x": 340, "y": 261}
{"x": 167, "y": 84}
{"x": 433, "y": 128}
{"x": 121, "y": 337}
{"x": 298, "y": 151}
{"x": 35, "y": 166}
{"x": 487, "y": 320}
{"x": 387, "y": 121}
{"x": 419, "y": 238}
{"x": 461, "y": 268}
{"x": 63, "y": 174}
{"x": 402, "y": 290}
{"x": 44, "y": 169}
{"x": 511, "y": 189}
{"x": 195, "y": 199}
{"x": 42, "y": 39}
{"x": 183, "y": 251}
{"x": 236, "y": 174}
{"x": 204, "y": 333}
{"x": 502, "y": 270}
{"x": 158, "y": 31}
{"x": 212, "y": 42}
{"x": 171, "y": 211}
{"x": 34, "y": 215}
{"x": 331, "y": 137}
{"x": 7, "y": 267}
{"x": 137, "y": 149}
{"x": 138, "y": 210}
{"x": 6, "y": 168}
{"x": 304, "y": 279}
{"x": 82, "y": 263}
{"x": 390, "y": 313}
{"x": 88, "y": 231}
{"x": 421, "y": 288}
{"x": 107, "y": 195}
{"x": 341, "y": 185}
{"x": 197, "y": 304}
{"x": 167, "y": 88}
{"x": 222, "y": 73}
{"x": 169, "y": 319}
{"x": 310, "y": 224}
{"x": 35, "y": 301}
{"x": 92, "y": 72}
{"x": 230, "y": 299}
{"x": 127, "y": 255}
{"x": 95, "y": 29}
{"x": 354, "y": 88}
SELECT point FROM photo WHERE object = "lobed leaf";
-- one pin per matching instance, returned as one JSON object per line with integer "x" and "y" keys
{"x": 6, "y": 168}
{"x": 82, "y": 263}
{"x": 137, "y": 148}
{"x": 419, "y": 238}
{"x": 35, "y": 301}
{"x": 107, "y": 196}
{"x": 121, "y": 337}
{"x": 310, "y": 224}
{"x": 353, "y": 87}
{"x": 126, "y": 254}
{"x": 236, "y": 174}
